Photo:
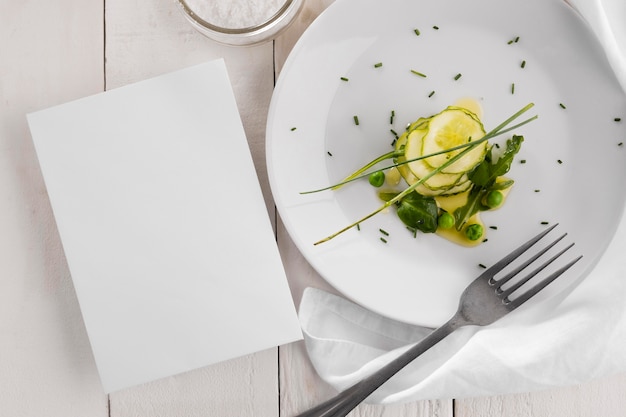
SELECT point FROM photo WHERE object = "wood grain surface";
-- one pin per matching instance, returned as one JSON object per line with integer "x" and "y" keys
{"x": 58, "y": 50}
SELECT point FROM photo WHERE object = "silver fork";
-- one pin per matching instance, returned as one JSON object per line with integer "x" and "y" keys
{"x": 483, "y": 302}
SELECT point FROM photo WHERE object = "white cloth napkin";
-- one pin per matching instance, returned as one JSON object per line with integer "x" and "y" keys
{"x": 607, "y": 19}
{"x": 578, "y": 339}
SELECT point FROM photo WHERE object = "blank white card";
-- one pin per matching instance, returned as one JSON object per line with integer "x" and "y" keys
{"x": 164, "y": 226}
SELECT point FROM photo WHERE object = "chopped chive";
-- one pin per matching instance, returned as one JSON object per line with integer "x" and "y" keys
{"x": 344, "y": 79}
{"x": 418, "y": 73}
{"x": 516, "y": 39}
{"x": 562, "y": 105}
{"x": 482, "y": 266}
{"x": 382, "y": 239}
{"x": 485, "y": 240}
{"x": 497, "y": 145}
{"x": 493, "y": 227}
{"x": 378, "y": 65}
{"x": 384, "y": 232}
{"x": 293, "y": 128}
{"x": 544, "y": 222}
{"x": 510, "y": 42}
{"x": 522, "y": 161}
{"x": 436, "y": 27}
{"x": 537, "y": 191}
{"x": 559, "y": 161}
{"x": 620, "y": 144}
{"x": 329, "y": 154}
{"x": 358, "y": 227}
{"x": 523, "y": 64}
{"x": 356, "y": 120}
{"x": 393, "y": 114}
{"x": 393, "y": 132}
{"x": 512, "y": 88}
{"x": 618, "y": 119}
{"x": 431, "y": 94}
{"x": 456, "y": 77}
{"x": 417, "y": 32}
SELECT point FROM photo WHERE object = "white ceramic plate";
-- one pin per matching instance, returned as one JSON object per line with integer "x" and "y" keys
{"x": 419, "y": 280}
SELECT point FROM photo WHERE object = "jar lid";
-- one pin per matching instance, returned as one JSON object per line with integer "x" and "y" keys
{"x": 240, "y": 22}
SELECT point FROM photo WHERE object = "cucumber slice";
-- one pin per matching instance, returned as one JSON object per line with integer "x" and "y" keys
{"x": 420, "y": 169}
{"x": 435, "y": 134}
{"x": 421, "y": 123}
{"x": 459, "y": 188}
{"x": 403, "y": 169}
{"x": 452, "y": 127}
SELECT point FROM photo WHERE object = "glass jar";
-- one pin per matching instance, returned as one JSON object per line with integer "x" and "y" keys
{"x": 240, "y": 22}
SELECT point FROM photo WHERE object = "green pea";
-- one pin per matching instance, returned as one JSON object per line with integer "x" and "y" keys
{"x": 474, "y": 231}
{"x": 493, "y": 199}
{"x": 377, "y": 179}
{"x": 446, "y": 220}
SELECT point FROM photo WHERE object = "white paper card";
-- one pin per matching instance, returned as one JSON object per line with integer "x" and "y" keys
{"x": 164, "y": 226}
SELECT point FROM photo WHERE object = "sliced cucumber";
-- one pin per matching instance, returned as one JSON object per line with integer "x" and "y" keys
{"x": 420, "y": 168}
{"x": 453, "y": 127}
{"x": 456, "y": 122}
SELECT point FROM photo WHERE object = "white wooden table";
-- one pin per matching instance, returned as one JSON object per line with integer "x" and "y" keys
{"x": 54, "y": 51}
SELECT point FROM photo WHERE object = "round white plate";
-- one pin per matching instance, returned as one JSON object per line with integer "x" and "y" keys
{"x": 574, "y": 163}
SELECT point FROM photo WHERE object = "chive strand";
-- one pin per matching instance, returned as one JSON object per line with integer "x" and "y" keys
{"x": 362, "y": 172}
{"x": 420, "y": 74}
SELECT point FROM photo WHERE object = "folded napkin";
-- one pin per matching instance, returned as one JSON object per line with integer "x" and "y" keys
{"x": 567, "y": 341}
{"x": 578, "y": 339}
{"x": 607, "y": 19}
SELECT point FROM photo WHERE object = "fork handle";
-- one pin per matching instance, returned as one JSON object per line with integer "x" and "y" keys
{"x": 345, "y": 401}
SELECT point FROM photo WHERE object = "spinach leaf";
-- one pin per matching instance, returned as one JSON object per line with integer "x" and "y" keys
{"x": 419, "y": 212}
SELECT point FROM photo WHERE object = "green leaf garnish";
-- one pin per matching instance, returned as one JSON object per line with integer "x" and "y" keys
{"x": 484, "y": 178}
{"x": 419, "y": 212}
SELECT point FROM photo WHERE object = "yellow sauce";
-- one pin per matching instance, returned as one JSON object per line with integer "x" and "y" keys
{"x": 450, "y": 204}
{"x": 393, "y": 177}
{"x": 453, "y": 202}
{"x": 471, "y": 105}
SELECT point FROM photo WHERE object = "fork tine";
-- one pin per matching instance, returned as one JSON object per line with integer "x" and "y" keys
{"x": 498, "y": 266}
{"x": 542, "y": 284}
{"x": 518, "y": 284}
{"x": 500, "y": 282}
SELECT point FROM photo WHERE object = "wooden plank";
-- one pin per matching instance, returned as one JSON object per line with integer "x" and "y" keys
{"x": 302, "y": 389}
{"x": 236, "y": 388}
{"x": 146, "y": 39}
{"x": 602, "y": 397}
{"x": 50, "y": 52}
{"x": 300, "y": 386}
